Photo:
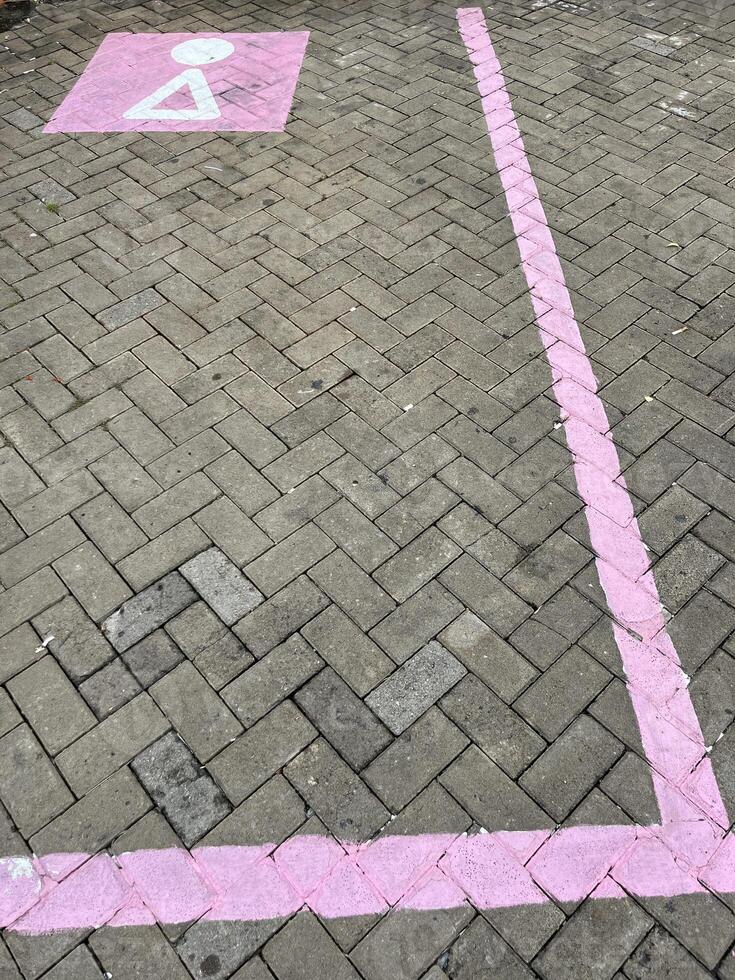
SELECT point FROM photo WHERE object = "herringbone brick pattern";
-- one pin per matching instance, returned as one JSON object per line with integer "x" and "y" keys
{"x": 291, "y": 542}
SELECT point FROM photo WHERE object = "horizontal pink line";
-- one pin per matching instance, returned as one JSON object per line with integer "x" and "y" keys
{"x": 429, "y": 871}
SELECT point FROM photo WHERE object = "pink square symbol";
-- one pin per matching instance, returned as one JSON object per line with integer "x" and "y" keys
{"x": 185, "y": 82}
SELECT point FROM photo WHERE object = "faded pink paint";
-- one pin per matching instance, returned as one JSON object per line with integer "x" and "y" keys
{"x": 253, "y": 87}
{"x": 687, "y": 853}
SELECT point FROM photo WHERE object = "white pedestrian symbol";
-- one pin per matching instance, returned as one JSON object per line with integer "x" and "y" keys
{"x": 198, "y": 51}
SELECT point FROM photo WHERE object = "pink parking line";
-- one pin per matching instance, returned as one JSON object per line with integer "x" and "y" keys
{"x": 683, "y": 777}
{"x": 688, "y": 852}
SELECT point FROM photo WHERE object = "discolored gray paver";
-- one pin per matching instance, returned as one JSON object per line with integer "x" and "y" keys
{"x": 147, "y": 611}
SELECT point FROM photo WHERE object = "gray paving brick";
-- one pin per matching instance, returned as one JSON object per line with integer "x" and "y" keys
{"x": 125, "y": 479}
{"x": 311, "y": 418}
{"x": 417, "y": 939}
{"x": 661, "y": 955}
{"x": 303, "y": 461}
{"x": 354, "y": 591}
{"x": 78, "y": 965}
{"x": 51, "y": 704}
{"x": 417, "y": 564}
{"x": 416, "y": 621}
{"x": 221, "y": 585}
{"x": 175, "y": 504}
{"x": 336, "y": 794}
{"x": 147, "y": 611}
{"x": 36, "y": 551}
{"x": 184, "y": 425}
{"x": 236, "y": 535}
{"x": 191, "y": 705}
{"x": 418, "y": 464}
{"x": 107, "y": 524}
{"x": 710, "y": 938}
{"x": 242, "y": 483}
{"x": 417, "y": 511}
{"x": 360, "y": 486}
{"x": 498, "y": 730}
{"x": 254, "y": 441}
{"x": 101, "y": 408}
{"x": 297, "y": 508}
{"x": 151, "y": 657}
{"x": 415, "y": 686}
{"x": 92, "y": 580}
{"x": 492, "y": 601}
{"x": 32, "y": 789}
{"x": 18, "y": 482}
{"x": 187, "y": 796}
{"x": 347, "y": 650}
{"x": 289, "y": 558}
{"x": 268, "y": 682}
{"x": 480, "y": 948}
{"x": 586, "y": 750}
{"x": 304, "y": 946}
{"x": 268, "y": 816}
{"x": 96, "y": 819}
{"x": 480, "y": 490}
{"x": 56, "y": 501}
{"x": 166, "y": 552}
{"x": 413, "y": 759}
{"x": 126, "y": 953}
{"x": 683, "y": 570}
{"x": 111, "y": 744}
{"x": 487, "y": 656}
{"x": 109, "y": 689}
{"x": 489, "y": 796}
{"x": 188, "y": 458}
{"x": 595, "y": 928}
{"x": 27, "y": 431}
{"x": 552, "y": 702}
{"x": 261, "y": 751}
{"x": 342, "y": 718}
{"x": 29, "y": 598}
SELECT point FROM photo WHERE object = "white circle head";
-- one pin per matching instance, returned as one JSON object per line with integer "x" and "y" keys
{"x": 202, "y": 51}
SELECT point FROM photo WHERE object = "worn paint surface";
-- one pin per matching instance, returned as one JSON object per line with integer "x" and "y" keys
{"x": 688, "y": 851}
{"x": 185, "y": 82}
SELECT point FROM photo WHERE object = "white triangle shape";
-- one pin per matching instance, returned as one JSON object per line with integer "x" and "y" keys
{"x": 205, "y": 106}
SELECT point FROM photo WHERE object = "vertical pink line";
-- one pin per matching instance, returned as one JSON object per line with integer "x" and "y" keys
{"x": 670, "y": 730}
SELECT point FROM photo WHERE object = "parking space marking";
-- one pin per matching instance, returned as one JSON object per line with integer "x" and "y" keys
{"x": 185, "y": 82}
{"x": 688, "y": 852}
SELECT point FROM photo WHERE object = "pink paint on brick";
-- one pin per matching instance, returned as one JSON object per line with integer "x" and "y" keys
{"x": 687, "y": 853}
{"x": 185, "y": 82}
{"x": 427, "y": 871}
